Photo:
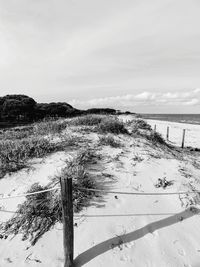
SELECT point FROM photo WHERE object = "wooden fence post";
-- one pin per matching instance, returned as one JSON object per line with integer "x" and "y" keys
{"x": 183, "y": 138}
{"x": 155, "y": 128}
{"x": 68, "y": 227}
{"x": 167, "y": 133}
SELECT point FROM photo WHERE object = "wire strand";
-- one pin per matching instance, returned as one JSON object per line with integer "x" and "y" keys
{"x": 30, "y": 194}
{"x": 137, "y": 193}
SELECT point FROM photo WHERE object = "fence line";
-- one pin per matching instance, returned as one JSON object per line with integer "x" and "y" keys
{"x": 106, "y": 191}
{"x": 124, "y": 215}
{"x": 137, "y": 193}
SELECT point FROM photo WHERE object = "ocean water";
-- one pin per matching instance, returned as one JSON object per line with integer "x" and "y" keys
{"x": 182, "y": 118}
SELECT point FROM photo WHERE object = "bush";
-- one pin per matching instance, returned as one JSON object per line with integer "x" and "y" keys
{"x": 109, "y": 141}
{"x": 112, "y": 125}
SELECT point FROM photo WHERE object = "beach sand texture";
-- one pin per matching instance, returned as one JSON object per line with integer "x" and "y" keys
{"x": 120, "y": 230}
{"x": 192, "y": 132}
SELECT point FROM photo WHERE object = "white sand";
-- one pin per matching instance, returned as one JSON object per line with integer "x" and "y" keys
{"x": 192, "y": 134}
{"x": 125, "y": 230}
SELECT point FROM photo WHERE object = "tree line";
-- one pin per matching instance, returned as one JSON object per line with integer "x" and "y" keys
{"x": 24, "y": 109}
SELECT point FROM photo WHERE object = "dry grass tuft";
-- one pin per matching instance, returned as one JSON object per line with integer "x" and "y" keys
{"x": 112, "y": 125}
{"x": 39, "y": 213}
{"x": 109, "y": 140}
{"x": 15, "y": 154}
{"x": 87, "y": 120}
{"x": 50, "y": 126}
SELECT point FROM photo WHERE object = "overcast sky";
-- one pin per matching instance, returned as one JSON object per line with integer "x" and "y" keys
{"x": 138, "y": 55}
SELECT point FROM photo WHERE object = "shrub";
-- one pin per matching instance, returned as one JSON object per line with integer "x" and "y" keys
{"x": 109, "y": 141}
{"x": 112, "y": 125}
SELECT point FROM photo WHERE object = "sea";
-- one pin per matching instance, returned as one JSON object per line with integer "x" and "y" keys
{"x": 182, "y": 118}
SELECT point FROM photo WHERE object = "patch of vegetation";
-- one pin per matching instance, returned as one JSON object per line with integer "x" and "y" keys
{"x": 40, "y": 212}
{"x": 87, "y": 120}
{"x": 156, "y": 138}
{"x": 50, "y": 126}
{"x": 163, "y": 183}
{"x": 16, "y": 133}
{"x": 112, "y": 125}
{"x": 35, "y": 216}
{"x": 141, "y": 124}
{"x": 14, "y": 155}
{"x": 109, "y": 140}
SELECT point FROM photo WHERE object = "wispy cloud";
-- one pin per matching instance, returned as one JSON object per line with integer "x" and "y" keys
{"x": 189, "y": 98}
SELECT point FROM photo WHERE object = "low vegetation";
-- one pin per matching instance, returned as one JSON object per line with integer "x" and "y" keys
{"x": 141, "y": 124}
{"x": 16, "y": 133}
{"x": 40, "y": 212}
{"x": 101, "y": 123}
{"x": 112, "y": 125}
{"x": 141, "y": 128}
{"x": 49, "y": 126}
{"x": 109, "y": 140}
{"x": 15, "y": 154}
{"x": 87, "y": 120}
{"x": 156, "y": 138}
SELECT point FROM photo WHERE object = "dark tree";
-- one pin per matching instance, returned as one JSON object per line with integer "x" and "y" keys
{"x": 17, "y": 107}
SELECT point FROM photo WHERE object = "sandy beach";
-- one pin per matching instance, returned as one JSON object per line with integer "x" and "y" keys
{"x": 120, "y": 230}
{"x": 192, "y": 134}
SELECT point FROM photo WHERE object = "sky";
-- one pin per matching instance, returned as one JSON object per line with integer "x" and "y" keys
{"x": 137, "y": 55}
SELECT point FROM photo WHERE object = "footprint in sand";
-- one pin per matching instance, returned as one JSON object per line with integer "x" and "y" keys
{"x": 125, "y": 258}
{"x": 179, "y": 249}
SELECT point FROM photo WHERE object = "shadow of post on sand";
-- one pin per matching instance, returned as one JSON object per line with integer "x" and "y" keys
{"x": 111, "y": 243}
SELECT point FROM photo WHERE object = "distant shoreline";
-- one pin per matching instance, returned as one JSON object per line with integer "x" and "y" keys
{"x": 176, "y": 118}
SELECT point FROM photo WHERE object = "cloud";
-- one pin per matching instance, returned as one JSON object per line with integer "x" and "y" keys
{"x": 192, "y": 102}
{"x": 189, "y": 98}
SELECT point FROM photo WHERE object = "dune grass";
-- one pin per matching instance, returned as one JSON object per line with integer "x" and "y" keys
{"x": 140, "y": 124}
{"x": 101, "y": 123}
{"x": 16, "y": 133}
{"x": 87, "y": 120}
{"x": 112, "y": 125}
{"x": 40, "y": 212}
{"x": 46, "y": 127}
{"x": 18, "y": 145}
{"x": 15, "y": 154}
{"x": 157, "y": 138}
{"x": 49, "y": 126}
{"x": 109, "y": 140}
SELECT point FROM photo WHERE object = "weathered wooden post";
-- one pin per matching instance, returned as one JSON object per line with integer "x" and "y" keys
{"x": 68, "y": 227}
{"x": 154, "y": 128}
{"x": 167, "y": 133}
{"x": 183, "y": 139}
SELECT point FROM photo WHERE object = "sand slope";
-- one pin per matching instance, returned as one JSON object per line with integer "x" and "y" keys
{"x": 122, "y": 230}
